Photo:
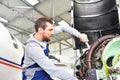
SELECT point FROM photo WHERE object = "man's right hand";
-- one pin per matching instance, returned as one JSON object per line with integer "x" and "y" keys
{"x": 83, "y": 37}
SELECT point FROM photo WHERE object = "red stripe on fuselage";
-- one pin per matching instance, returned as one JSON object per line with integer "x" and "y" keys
{"x": 10, "y": 65}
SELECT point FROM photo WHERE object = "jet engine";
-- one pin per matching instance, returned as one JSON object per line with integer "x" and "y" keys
{"x": 101, "y": 61}
{"x": 96, "y": 18}
{"x": 99, "y": 20}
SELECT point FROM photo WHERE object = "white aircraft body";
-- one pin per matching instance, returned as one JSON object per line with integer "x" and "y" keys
{"x": 11, "y": 52}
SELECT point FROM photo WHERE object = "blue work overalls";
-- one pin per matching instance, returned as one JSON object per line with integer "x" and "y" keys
{"x": 40, "y": 74}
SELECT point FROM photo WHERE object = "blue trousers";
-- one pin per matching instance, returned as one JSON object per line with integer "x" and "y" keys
{"x": 39, "y": 75}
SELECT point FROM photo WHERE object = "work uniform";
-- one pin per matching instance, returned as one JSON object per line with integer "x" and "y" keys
{"x": 36, "y": 65}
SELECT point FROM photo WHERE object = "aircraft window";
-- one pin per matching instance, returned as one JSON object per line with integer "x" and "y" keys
{"x": 14, "y": 41}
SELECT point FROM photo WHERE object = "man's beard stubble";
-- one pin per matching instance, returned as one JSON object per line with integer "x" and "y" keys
{"x": 46, "y": 39}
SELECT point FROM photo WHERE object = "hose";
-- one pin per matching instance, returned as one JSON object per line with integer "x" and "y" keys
{"x": 93, "y": 48}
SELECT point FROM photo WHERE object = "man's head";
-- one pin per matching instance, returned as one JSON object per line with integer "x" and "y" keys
{"x": 44, "y": 27}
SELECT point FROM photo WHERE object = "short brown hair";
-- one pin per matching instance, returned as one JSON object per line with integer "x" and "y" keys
{"x": 41, "y": 22}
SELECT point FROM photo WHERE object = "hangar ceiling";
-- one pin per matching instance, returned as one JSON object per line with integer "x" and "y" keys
{"x": 21, "y": 15}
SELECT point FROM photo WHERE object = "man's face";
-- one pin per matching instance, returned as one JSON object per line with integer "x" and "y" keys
{"x": 48, "y": 32}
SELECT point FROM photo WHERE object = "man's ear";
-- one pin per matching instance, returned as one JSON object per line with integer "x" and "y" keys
{"x": 40, "y": 30}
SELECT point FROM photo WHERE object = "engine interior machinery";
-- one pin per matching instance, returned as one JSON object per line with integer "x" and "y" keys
{"x": 99, "y": 20}
{"x": 101, "y": 61}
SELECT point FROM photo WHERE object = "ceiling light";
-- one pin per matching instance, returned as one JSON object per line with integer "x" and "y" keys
{"x": 3, "y": 20}
{"x": 32, "y": 2}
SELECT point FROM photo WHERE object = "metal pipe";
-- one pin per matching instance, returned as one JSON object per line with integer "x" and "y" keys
{"x": 93, "y": 48}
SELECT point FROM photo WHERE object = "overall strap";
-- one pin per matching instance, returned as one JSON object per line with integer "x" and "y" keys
{"x": 46, "y": 51}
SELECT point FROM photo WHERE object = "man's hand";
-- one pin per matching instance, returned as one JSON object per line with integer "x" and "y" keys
{"x": 83, "y": 37}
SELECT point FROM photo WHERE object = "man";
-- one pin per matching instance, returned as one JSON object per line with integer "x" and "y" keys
{"x": 37, "y": 65}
